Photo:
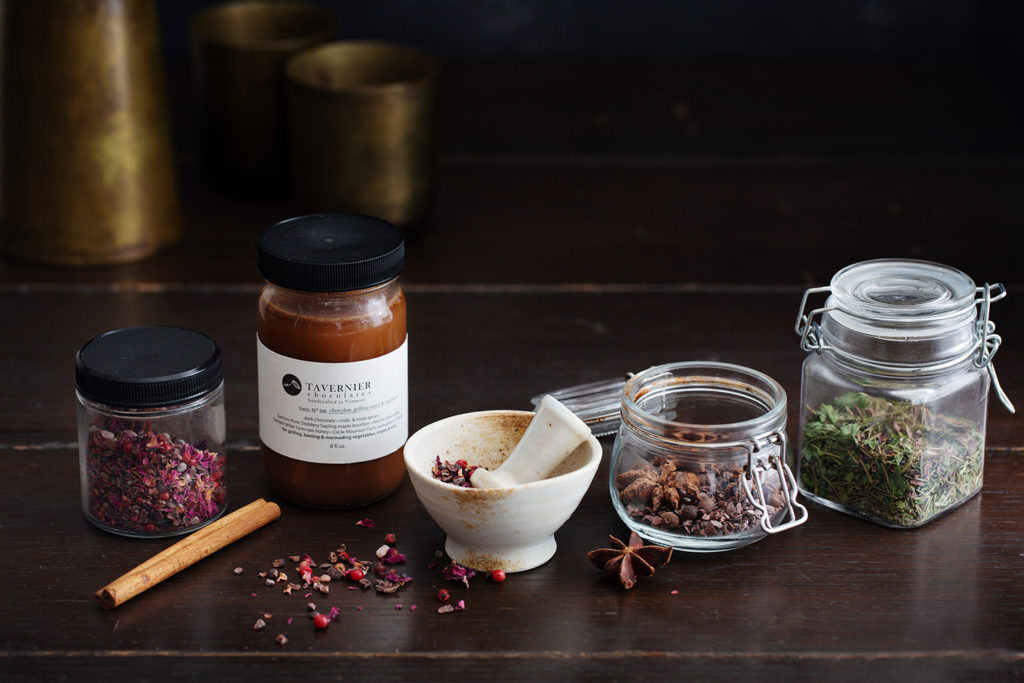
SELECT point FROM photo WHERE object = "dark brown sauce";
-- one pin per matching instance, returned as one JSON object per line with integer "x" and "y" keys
{"x": 332, "y": 339}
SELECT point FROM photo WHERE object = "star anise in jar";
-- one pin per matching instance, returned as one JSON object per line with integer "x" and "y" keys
{"x": 629, "y": 562}
{"x": 665, "y": 489}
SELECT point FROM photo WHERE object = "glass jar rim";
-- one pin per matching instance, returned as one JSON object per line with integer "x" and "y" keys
{"x": 696, "y": 375}
{"x": 151, "y": 412}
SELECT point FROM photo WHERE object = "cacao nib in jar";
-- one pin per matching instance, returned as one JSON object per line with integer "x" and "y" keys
{"x": 151, "y": 431}
{"x": 332, "y": 359}
{"x": 699, "y": 459}
{"x": 894, "y": 396}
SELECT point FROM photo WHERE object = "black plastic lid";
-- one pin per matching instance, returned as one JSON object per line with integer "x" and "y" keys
{"x": 331, "y": 252}
{"x": 148, "y": 366}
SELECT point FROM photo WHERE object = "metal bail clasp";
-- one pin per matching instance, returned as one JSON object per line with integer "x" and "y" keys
{"x": 806, "y": 327}
{"x": 795, "y": 512}
{"x": 990, "y": 341}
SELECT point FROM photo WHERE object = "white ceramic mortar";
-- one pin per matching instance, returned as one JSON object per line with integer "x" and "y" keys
{"x": 511, "y": 528}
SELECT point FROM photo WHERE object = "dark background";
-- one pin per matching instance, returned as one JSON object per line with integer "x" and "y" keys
{"x": 842, "y": 30}
{"x": 937, "y": 38}
{"x": 986, "y": 33}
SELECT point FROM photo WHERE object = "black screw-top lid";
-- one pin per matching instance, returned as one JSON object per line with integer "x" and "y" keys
{"x": 331, "y": 252}
{"x": 148, "y": 366}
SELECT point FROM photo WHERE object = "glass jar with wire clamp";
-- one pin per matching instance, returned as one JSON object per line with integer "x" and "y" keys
{"x": 894, "y": 393}
{"x": 699, "y": 460}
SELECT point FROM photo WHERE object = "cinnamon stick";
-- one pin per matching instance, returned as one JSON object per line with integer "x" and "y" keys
{"x": 188, "y": 551}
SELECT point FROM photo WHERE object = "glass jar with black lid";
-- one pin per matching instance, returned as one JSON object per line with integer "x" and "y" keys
{"x": 151, "y": 431}
{"x": 894, "y": 395}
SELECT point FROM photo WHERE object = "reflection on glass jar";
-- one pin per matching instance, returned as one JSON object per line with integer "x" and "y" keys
{"x": 894, "y": 399}
{"x": 698, "y": 462}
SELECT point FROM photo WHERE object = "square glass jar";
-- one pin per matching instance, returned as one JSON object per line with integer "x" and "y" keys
{"x": 894, "y": 397}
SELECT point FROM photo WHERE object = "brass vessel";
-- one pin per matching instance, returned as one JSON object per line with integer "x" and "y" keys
{"x": 87, "y": 160}
{"x": 239, "y": 53}
{"x": 361, "y": 129}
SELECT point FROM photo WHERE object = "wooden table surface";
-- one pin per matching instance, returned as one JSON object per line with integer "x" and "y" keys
{"x": 591, "y": 218}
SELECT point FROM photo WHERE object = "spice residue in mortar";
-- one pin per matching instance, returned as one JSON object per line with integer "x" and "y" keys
{"x": 456, "y": 473}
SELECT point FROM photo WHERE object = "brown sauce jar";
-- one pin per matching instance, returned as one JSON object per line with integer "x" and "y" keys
{"x": 332, "y": 359}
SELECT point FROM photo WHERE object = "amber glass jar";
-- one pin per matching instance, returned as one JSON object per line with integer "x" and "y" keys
{"x": 332, "y": 358}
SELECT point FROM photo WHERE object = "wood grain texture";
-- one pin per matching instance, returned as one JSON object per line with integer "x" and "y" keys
{"x": 579, "y": 232}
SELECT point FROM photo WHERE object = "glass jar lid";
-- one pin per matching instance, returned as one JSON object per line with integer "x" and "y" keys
{"x": 902, "y": 297}
{"x": 904, "y": 317}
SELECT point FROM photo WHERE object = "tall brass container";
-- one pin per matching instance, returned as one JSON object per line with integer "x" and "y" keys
{"x": 239, "y": 53}
{"x": 87, "y": 161}
{"x": 361, "y": 129}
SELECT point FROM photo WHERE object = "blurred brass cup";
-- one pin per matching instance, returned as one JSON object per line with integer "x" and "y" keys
{"x": 88, "y": 165}
{"x": 361, "y": 129}
{"x": 239, "y": 53}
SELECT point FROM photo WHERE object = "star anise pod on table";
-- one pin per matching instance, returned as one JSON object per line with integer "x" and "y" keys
{"x": 629, "y": 562}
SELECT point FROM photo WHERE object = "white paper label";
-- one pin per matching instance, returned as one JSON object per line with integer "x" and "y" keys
{"x": 334, "y": 412}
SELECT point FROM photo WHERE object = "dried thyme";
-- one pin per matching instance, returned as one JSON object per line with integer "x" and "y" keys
{"x": 892, "y": 461}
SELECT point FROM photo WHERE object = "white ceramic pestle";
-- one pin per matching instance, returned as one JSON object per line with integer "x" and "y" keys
{"x": 553, "y": 433}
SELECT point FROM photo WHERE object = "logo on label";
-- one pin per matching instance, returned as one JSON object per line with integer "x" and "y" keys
{"x": 291, "y": 384}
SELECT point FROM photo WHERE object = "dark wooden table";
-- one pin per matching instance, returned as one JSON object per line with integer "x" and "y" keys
{"x": 592, "y": 218}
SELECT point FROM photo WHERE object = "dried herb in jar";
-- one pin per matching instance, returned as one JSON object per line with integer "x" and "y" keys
{"x": 144, "y": 482}
{"x": 893, "y": 461}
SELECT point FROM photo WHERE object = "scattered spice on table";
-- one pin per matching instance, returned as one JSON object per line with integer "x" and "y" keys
{"x": 629, "y": 562}
{"x": 456, "y": 572}
{"x": 696, "y": 500}
{"x": 389, "y": 555}
{"x": 893, "y": 461}
{"x": 456, "y": 473}
{"x": 387, "y": 579}
{"x": 146, "y": 482}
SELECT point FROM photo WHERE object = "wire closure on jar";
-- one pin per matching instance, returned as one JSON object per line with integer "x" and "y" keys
{"x": 796, "y": 512}
{"x": 808, "y": 326}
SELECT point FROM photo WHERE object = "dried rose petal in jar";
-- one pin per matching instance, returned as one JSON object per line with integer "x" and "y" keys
{"x": 151, "y": 430}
